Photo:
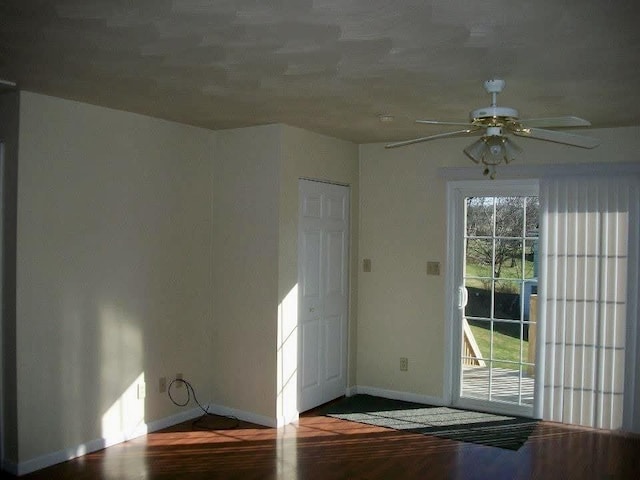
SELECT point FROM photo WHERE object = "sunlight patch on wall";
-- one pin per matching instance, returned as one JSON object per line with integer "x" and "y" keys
{"x": 123, "y": 388}
{"x": 287, "y": 358}
{"x": 125, "y": 418}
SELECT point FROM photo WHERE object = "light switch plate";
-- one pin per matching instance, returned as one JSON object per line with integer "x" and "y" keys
{"x": 433, "y": 268}
{"x": 366, "y": 265}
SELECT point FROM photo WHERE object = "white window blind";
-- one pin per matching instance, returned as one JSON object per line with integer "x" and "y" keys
{"x": 589, "y": 299}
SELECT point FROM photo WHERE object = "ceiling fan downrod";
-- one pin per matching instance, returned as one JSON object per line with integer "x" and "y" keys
{"x": 494, "y": 87}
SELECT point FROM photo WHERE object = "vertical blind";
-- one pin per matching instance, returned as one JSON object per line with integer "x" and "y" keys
{"x": 589, "y": 299}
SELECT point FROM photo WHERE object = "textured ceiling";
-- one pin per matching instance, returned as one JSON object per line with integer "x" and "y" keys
{"x": 330, "y": 66}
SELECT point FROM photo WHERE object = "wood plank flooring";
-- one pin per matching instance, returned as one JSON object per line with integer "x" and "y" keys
{"x": 327, "y": 448}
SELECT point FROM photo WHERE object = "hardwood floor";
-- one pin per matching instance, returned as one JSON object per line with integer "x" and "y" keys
{"x": 327, "y": 448}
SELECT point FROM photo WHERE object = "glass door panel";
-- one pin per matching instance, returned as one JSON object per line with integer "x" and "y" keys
{"x": 500, "y": 276}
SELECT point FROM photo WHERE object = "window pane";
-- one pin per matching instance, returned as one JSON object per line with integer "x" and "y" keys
{"x": 531, "y": 259}
{"x": 479, "y": 216}
{"x": 479, "y": 258}
{"x": 509, "y": 216}
{"x": 480, "y": 336}
{"x": 506, "y": 341}
{"x": 475, "y": 382}
{"x": 505, "y": 382}
{"x": 506, "y": 299}
{"x": 527, "y": 385}
{"x": 528, "y": 352}
{"x": 479, "y": 298}
{"x": 529, "y": 300}
{"x": 532, "y": 216}
{"x": 508, "y": 259}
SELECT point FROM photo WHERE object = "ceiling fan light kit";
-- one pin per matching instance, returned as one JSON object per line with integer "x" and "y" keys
{"x": 494, "y": 146}
{"x": 491, "y": 151}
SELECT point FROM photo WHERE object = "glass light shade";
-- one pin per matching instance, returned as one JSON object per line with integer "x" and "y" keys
{"x": 492, "y": 150}
{"x": 510, "y": 150}
{"x": 476, "y": 150}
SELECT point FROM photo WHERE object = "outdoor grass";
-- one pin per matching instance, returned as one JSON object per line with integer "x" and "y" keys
{"x": 507, "y": 273}
{"x": 504, "y": 346}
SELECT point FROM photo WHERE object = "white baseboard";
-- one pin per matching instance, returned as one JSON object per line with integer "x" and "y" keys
{"x": 399, "y": 395}
{"x": 351, "y": 391}
{"x": 174, "y": 419}
{"x": 53, "y": 458}
{"x": 243, "y": 415}
{"x": 281, "y": 421}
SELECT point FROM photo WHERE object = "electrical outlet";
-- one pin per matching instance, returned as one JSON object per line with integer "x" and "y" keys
{"x": 142, "y": 390}
{"x": 162, "y": 384}
{"x": 179, "y": 377}
{"x": 404, "y": 364}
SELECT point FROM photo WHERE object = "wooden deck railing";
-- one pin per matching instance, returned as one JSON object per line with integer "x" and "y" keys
{"x": 471, "y": 354}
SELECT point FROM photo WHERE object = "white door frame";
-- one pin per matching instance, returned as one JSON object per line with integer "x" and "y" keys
{"x": 2, "y": 438}
{"x": 457, "y": 191}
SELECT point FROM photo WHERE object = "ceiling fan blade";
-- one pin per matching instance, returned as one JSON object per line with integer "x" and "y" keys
{"x": 438, "y": 122}
{"x": 558, "y": 137}
{"x": 553, "y": 122}
{"x": 432, "y": 137}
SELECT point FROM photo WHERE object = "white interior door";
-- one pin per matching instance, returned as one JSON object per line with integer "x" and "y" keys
{"x": 323, "y": 241}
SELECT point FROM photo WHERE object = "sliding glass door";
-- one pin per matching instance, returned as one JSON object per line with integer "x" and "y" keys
{"x": 544, "y": 298}
{"x": 495, "y": 315}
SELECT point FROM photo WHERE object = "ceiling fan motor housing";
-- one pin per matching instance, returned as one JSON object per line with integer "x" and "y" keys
{"x": 495, "y": 85}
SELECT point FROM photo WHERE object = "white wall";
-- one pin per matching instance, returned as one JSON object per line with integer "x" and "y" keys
{"x": 255, "y": 251}
{"x": 113, "y": 270}
{"x": 146, "y": 249}
{"x": 401, "y": 310}
{"x": 245, "y": 232}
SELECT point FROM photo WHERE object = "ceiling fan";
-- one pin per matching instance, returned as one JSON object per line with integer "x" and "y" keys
{"x": 494, "y": 123}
